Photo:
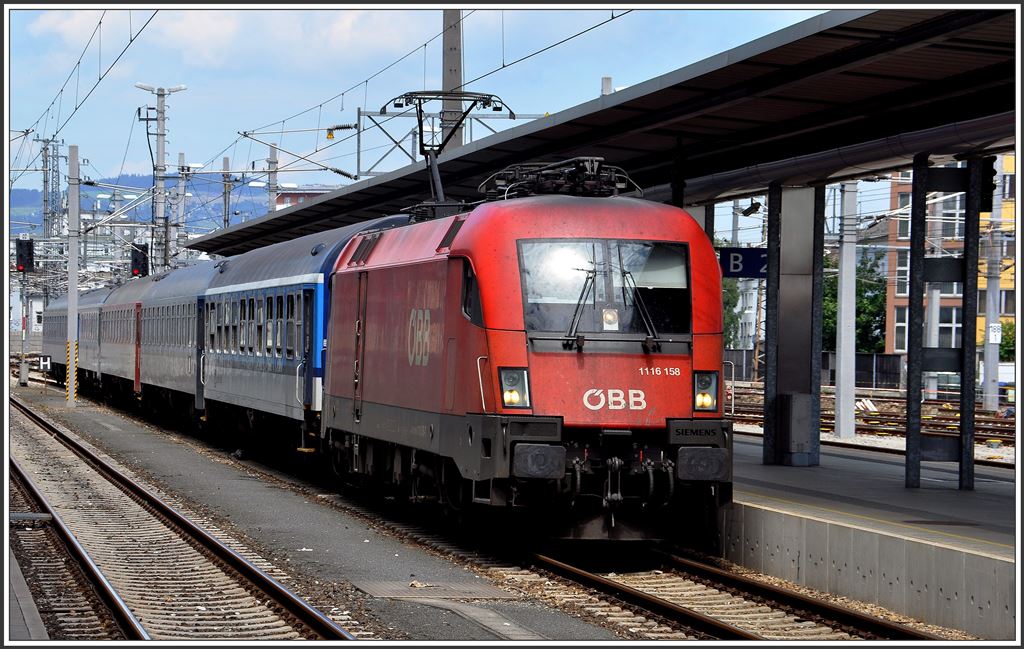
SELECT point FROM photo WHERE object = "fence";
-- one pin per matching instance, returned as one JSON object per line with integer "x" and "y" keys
{"x": 872, "y": 370}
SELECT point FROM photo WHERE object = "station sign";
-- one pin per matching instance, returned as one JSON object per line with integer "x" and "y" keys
{"x": 743, "y": 262}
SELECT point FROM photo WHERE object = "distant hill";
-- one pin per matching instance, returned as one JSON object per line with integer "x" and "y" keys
{"x": 27, "y": 204}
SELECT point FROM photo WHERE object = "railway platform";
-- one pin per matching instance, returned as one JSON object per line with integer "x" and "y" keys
{"x": 23, "y": 620}
{"x": 849, "y": 527}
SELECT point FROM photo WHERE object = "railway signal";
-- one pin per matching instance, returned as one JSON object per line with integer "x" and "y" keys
{"x": 140, "y": 260}
{"x": 26, "y": 256}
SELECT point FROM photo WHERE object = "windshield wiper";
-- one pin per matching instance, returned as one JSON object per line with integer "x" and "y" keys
{"x": 572, "y": 338}
{"x": 651, "y": 343}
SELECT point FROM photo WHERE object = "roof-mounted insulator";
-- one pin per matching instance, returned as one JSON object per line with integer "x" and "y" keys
{"x": 583, "y": 176}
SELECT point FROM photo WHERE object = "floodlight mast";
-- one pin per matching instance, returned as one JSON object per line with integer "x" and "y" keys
{"x": 431, "y": 150}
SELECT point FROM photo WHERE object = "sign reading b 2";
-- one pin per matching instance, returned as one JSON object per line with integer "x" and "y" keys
{"x": 743, "y": 262}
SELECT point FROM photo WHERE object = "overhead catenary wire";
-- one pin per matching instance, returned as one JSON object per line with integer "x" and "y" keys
{"x": 543, "y": 49}
{"x": 79, "y": 104}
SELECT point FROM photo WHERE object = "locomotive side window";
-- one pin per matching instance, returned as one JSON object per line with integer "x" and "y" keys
{"x": 471, "y": 307}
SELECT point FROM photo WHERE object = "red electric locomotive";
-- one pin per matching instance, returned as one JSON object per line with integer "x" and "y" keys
{"x": 551, "y": 353}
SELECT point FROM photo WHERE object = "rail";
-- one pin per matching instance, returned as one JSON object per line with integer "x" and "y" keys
{"x": 126, "y": 620}
{"x": 314, "y": 619}
{"x": 684, "y": 616}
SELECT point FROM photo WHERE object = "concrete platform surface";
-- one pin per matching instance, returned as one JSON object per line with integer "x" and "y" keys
{"x": 23, "y": 621}
{"x": 850, "y": 527}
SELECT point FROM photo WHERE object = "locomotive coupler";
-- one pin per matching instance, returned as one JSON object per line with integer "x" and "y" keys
{"x": 613, "y": 491}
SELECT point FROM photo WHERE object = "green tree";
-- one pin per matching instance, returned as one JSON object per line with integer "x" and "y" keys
{"x": 730, "y": 317}
{"x": 1008, "y": 343}
{"x": 870, "y": 305}
{"x": 730, "y": 298}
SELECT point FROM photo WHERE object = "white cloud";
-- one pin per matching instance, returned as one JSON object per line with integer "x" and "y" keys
{"x": 203, "y": 38}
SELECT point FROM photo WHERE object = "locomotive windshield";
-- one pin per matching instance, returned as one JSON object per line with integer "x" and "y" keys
{"x": 609, "y": 285}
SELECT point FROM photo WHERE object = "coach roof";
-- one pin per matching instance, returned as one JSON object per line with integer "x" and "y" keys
{"x": 295, "y": 261}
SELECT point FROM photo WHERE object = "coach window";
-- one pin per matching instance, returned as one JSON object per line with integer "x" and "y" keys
{"x": 278, "y": 334}
{"x": 243, "y": 316}
{"x": 289, "y": 343}
{"x": 232, "y": 329}
{"x": 224, "y": 319}
{"x": 268, "y": 340}
{"x": 258, "y": 341}
{"x": 233, "y": 339}
{"x": 211, "y": 325}
{"x": 298, "y": 324}
{"x": 252, "y": 328}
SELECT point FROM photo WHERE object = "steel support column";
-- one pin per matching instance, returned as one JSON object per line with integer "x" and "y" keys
{"x": 915, "y": 321}
{"x": 771, "y": 325}
{"x": 793, "y": 340}
{"x": 968, "y": 373}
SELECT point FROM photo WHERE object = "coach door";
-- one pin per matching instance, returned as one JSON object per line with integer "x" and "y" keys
{"x": 360, "y": 330}
{"x": 304, "y": 313}
{"x": 138, "y": 347}
{"x": 198, "y": 324}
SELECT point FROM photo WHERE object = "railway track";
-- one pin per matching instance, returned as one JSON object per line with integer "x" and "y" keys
{"x": 682, "y": 600}
{"x": 63, "y": 594}
{"x": 162, "y": 576}
{"x": 719, "y": 605}
{"x": 894, "y": 424}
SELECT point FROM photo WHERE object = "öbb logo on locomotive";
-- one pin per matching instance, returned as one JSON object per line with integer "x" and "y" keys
{"x": 615, "y": 399}
{"x": 418, "y": 337}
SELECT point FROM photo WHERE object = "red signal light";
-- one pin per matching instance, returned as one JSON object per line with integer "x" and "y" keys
{"x": 21, "y": 268}
{"x": 135, "y": 271}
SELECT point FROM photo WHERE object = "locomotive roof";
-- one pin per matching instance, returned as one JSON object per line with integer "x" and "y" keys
{"x": 312, "y": 254}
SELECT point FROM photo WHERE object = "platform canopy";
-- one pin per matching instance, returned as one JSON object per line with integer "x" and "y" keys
{"x": 837, "y": 80}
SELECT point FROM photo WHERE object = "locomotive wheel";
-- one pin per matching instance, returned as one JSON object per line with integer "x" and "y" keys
{"x": 457, "y": 493}
{"x": 335, "y": 456}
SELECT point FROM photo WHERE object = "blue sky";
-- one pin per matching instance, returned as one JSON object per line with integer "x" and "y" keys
{"x": 248, "y": 68}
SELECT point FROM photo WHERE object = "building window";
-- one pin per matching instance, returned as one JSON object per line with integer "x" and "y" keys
{"x": 953, "y": 217}
{"x": 899, "y": 339}
{"x": 949, "y": 326}
{"x": 903, "y": 217}
{"x": 1008, "y": 302}
{"x": 1009, "y": 244}
{"x": 1009, "y": 187}
{"x": 953, "y": 289}
{"x": 902, "y": 271}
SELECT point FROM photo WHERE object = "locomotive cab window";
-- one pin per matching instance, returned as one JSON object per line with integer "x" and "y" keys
{"x": 612, "y": 286}
{"x": 471, "y": 307}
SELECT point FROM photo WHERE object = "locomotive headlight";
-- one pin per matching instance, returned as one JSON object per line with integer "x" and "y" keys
{"x": 610, "y": 319}
{"x": 515, "y": 387}
{"x": 705, "y": 390}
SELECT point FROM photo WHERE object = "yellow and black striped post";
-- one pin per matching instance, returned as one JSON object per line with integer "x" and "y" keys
{"x": 71, "y": 380}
